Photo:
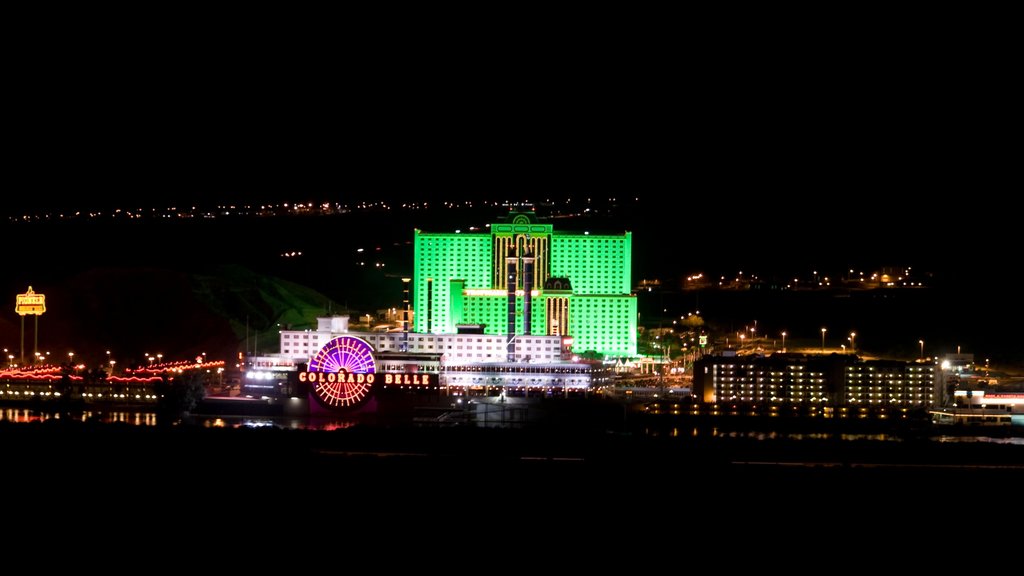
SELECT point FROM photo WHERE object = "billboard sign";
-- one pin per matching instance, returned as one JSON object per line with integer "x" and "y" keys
{"x": 30, "y": 303}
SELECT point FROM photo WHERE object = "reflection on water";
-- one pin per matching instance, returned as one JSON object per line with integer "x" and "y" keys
{"x": 26, "y": 415}
{"x": 294, "y": 423}
{"x": 1007, "y": 440}
{"x": 714, "y": 432}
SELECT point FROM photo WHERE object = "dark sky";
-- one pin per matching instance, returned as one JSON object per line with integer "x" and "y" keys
{"x": 765, "y": 125}
{"x": 775, "y": 139}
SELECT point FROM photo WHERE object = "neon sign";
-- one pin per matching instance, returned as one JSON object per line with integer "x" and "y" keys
{"x": 30, "y": 303}
{"x": 341, "y": 377}
{"x": 342, "y": 373}
{"x": 407, "y": 379}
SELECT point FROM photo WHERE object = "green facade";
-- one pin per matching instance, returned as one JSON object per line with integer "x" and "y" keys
{"x": 492, "y": 311}
{"x": 442, "y": 258}
{"x": 461, "y": 267}
{"x": 603, "y": 323}
{"x": 594, "y": 264}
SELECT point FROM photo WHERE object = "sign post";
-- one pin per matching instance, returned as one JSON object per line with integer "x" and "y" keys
{"x": 32, "y": 304}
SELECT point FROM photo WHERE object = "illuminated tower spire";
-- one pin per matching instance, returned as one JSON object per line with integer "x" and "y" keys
{"x": 511, "y": 268}
{"x": 527, "y": 288}
{"x": 405, "y": 314}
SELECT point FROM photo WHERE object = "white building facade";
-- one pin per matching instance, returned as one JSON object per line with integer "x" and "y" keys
{"x": 470, "y": 363}
{"x": 456, "y": 349}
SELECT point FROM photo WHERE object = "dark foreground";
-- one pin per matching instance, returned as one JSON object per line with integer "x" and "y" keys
{"x": 423, "y": 497}
{"x": 581, "y": 497}
{"x": 379, "y": 467}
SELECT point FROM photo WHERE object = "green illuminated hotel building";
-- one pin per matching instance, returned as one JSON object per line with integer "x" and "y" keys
{"x": 565, "y": 283}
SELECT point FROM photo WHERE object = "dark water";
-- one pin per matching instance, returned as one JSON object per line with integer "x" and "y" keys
{"x": 145, "y": 419}
{"x": 28, "y": 415}
{"x": 760, "y": 435}
{"x": 150, "y": 419}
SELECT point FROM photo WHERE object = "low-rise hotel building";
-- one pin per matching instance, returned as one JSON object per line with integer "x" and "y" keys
{"x": 835, "y": 380}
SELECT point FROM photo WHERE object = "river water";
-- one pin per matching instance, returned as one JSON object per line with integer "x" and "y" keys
{"x": 27, "y": 415}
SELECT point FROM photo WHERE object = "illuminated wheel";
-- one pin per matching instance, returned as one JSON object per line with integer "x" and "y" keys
{"x": 347, "y": 367}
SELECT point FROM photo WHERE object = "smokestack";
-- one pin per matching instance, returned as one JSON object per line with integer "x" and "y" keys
{"x": 527, "y": 288}
{"x": 511, "y": 265}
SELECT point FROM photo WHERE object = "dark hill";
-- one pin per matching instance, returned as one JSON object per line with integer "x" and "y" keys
{"x": 134, "y": 311}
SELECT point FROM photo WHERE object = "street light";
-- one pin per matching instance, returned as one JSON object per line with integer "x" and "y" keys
{"x": 823, "y": 330}
{"x": 853, "y": 342}
{"x": 783, "y": 341}
{"x": 921, "y": 342}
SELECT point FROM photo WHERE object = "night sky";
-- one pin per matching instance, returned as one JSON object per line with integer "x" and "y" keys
{"x": 885, "y": 139}
{"x": 757, "y": 124}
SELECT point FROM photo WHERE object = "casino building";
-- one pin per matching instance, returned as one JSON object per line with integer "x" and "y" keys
{"x": 460, "y": 348}
{"x": 345, "y": 366}
{"x": 525, "y": 277}
{"x": 505, "y": 312}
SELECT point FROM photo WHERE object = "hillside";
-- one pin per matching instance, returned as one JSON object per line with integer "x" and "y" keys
{"x": 134, "y": 311}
